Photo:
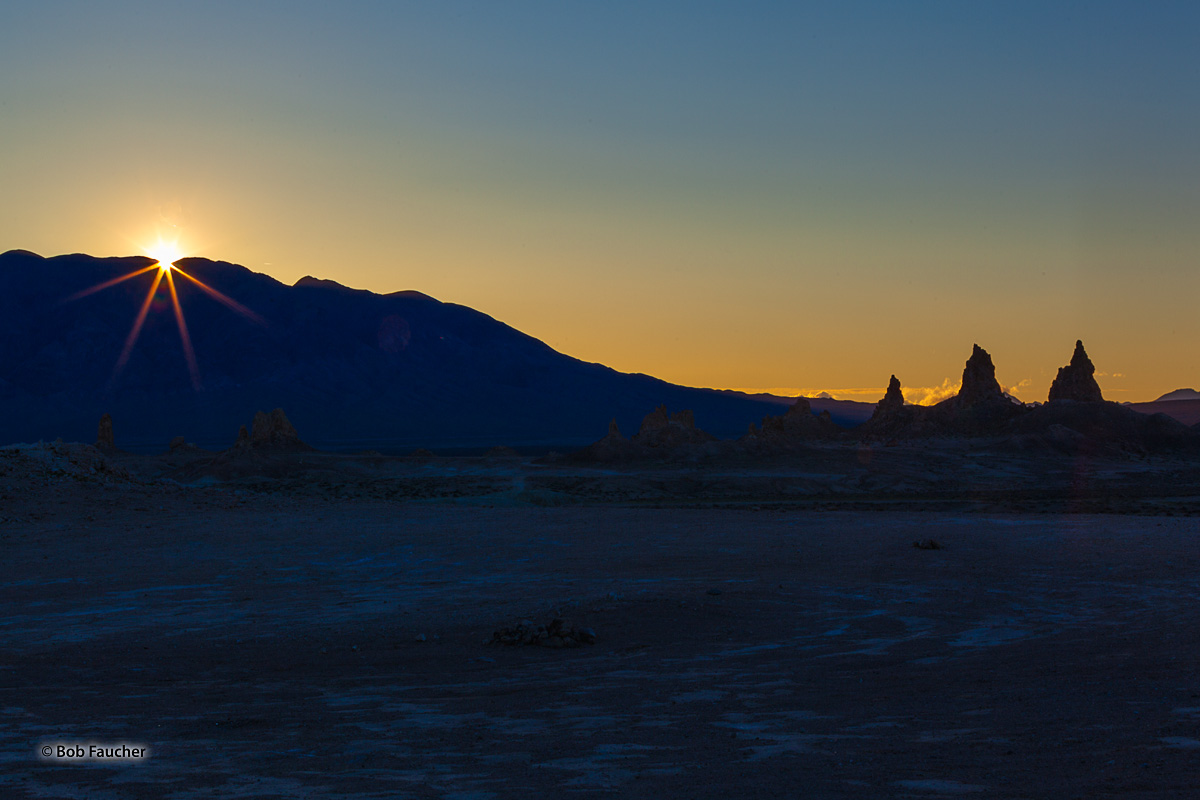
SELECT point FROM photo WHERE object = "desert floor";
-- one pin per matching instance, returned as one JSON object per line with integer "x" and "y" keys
{"x": 296, "y": 644}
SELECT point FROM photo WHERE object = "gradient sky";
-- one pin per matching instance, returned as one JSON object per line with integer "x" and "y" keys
{"x": 789, "y": 196}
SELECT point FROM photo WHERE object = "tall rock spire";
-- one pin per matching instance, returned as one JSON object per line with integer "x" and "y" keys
{"x": 979, "y": 380}
{"x": 1076, "y": 381}
{"x": 892, "y": 401}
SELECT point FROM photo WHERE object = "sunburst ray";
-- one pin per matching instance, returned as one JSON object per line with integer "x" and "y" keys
{"x": 188, "y": 352}
{"x": 101, "y": 286}
{"x": 166, "y": 270}
{"x": 221, "y": 298}
{"x": 131, "y": 339}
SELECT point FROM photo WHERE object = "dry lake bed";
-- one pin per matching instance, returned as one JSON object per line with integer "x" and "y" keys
{"x": 285, "y": 645}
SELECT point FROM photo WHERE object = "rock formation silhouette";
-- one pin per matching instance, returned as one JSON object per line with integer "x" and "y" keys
{"x": 1076, "y": 381}
{"x": 270, "y": 432}
{"x": 892, "y": 418}
{"x": 979, "y": 384}
{"x": 795, "y": 426}
{"x": 104, "y": 435}
{"x": 661, "y": 430}
{"x": 980, "y": 410}
{"x": 180, "y": 446}
{"x": 275, "y": 431}
{"x": 613, "y": 447}
{"x": 893, "y": 400}
{"x": 661, "y": 435}
{"x": 1090, "y": 424}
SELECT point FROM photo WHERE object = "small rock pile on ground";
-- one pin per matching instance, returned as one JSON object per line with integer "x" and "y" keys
{"x": 927, "y": 544}
{"x": 559, "y": 633}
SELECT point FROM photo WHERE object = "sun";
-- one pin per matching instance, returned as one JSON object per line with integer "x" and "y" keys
{"x": 165, "y": 253}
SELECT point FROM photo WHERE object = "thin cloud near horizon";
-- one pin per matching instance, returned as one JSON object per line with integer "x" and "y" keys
{"x": 915, "y": 395}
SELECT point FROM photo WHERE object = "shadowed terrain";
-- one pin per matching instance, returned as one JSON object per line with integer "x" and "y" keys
{"x": 318, "y": 626}
{"x": 979, "y": 597}
{"x": 352, "y": 368}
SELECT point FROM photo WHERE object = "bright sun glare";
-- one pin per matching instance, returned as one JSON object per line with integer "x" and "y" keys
{"x": 166, "y": 254}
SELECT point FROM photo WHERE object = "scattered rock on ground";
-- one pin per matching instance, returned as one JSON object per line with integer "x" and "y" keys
{"x": 559, "y": 633}
{"x": 927, "y": 544}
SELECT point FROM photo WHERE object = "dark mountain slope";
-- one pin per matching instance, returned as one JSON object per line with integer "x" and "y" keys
{"x": 350, "y": 367}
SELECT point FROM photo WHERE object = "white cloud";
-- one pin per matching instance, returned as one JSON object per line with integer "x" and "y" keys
{"x": 929, "y": 395}
{"x": 1015, "y": 390}
{"x": 915, "y": 395}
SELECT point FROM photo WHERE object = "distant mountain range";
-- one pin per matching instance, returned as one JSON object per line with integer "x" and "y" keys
{"x": 352, "y": 369}
{"x": 1179, "y": 394}
{"x": 1184, "y": 409}
{"x": 846, "y": 413}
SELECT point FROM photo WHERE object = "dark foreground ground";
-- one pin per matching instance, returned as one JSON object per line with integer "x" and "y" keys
{"x": 293, "y": 644}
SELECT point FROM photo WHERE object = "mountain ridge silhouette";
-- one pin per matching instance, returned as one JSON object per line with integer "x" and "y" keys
{"x": 351, "y": 367}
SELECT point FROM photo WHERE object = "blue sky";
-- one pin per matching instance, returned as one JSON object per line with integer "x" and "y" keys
{"x": 770, "y": 195}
